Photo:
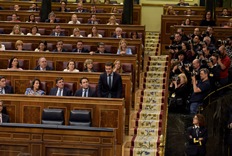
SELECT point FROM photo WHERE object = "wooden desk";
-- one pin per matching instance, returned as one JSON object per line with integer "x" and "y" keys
{"x": 20, "y": 80}
{"x": 170, "y": 20}
{"x": 55, "y": 5}
{"x": 50, "y": 140}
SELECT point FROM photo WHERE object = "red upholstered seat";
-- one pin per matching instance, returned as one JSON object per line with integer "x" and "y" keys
{"x": 69, "y": 47}
{"x": 71, "y": 86}
{"x": 8, "y": 45}
{"x": 102, "y": 32}
{"x": 127, "y": 67}
{"x": 27, "y": 46}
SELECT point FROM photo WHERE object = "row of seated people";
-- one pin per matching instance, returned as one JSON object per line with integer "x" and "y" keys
{"x": 74, "y": 19}
{"x": 202, "y": 60}
{"x": 58, "y": 31}
{"x": 43, "y": 46}
{"x": 71, "y": 66}
{"x": 109, "y": 86}
{"x": 171, "y": 11}
{"x": 64, "y": 8}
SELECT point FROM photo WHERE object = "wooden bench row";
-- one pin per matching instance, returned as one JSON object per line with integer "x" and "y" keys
{"x": 62, "y": 17}
{"x": 198, "y": 10}
{"x": 85, "y": 29}
{"x": 108, "y": 113}
{"x": 170, "y": 20}
{"x": 106, "y": 8}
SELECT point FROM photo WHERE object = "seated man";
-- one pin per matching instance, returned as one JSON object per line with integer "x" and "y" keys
{"x": 59, "y": 47}
{"x": 110, "y": 83}
{"x": 16, "y": 7}
{"x": 74, "y": 20}
{"x": 200, "y": 89}
{"x": 5, "y": 89}
{"x": 100, "y": 49}
{"x": 85, "y": 90}
{"x": 80, "y": 48}
{"x": 93, "y": 19}
{"x": 182, "y": 3}
{"x": 3, "y": 117}
{"x": 118, "y": 33}
{"x": 42, "y": 65}
{"x": 33, "y": 7}
{"x": 60, "y": 90}
{"x": 57, "y": 31}
{"x": 80, "y": 8}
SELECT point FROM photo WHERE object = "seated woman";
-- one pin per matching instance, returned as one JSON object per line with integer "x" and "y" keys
{"x": 88, "y": 66}
{"x": 63, "y": 4}
{"x": 35, "y": 88}
{"x": 187, "y": 22}
{"x": 76, "y": 33}
{"x": 51, "y": 18}
{"x": 122, "y": 48}
{"x": 19, "y": 45}
{"x": 229, "y": 24}
{"x": 14, "y": 18}
{"x": 117, "y": 66}
{"x": 134, "y": 35}
{"x": 112, "y": 20}
{"x": 95, "y": 33}
{"x": 14, "y": 64}
{"x": 16, "y": 30}
{"x": 114, "y": 10}
{"x": 207, "y": 20}
{"x": 2, "y": 47}
{"x": 42, "y": 47}
{"x": 71, "y": 67}
{"x": 31, "y": 19}
{"x": 225, "y": 12}
{"x": 34, "y": 31}
{"x": 189, "y": 12}
{"x": 179, "y": 91}
{"x": 170, "y": 11}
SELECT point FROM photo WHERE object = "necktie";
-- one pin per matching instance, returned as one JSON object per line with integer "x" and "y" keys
{"x": 59, "y": 92}
{"x": 110, "y": 81}
{"x": 197, "y": 131}
{"x": 1, "y": 118}
{"x": 85, "y": 92}
{"x": 1, "y": 91}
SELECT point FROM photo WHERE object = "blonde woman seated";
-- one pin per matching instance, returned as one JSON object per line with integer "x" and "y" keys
{"x": 35, "y": 88}
{"x": 117, "y": 66}
{"x": 229, "y": 24}
{"x": 95, "y": 33}
{"x": 19, "y": 45}
{"x": 71, "y": 67}
{"x": 16, "y": 30}
{"x": 34, "y": 31}
{"x": 122, "y": 48}
{"x": 88, "y": 66}
{"x": 112, "y": 20}
{"x": 14, "y": 64}
{"x": 42, "y": 47}
{"x": 2, "y": 47}
{"x": 74, "y": 20}
{"x": 76, "y": 33}
{"x": 170, "y": 11}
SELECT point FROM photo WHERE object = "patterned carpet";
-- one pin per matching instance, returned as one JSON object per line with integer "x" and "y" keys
{"x": 145, "y": 120}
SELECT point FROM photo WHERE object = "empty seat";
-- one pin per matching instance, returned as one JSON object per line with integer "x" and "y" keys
{"x": 69, "y": 47}
{"x": 108, "y": 48}
{"x": 127, "y": 67}
{"x": 71, "y": 86}
{"x": 83, "y": 33}
{"x": 53, "y": 116}
{"x": 41, "y": 31}
{"x": 8, "y": 45}
{"x": 27, "y": 46}
{"x": 102, "y": 32}
{"x": 80, "y": 118}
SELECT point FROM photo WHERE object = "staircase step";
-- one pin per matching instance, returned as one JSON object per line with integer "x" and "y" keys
{"x": 145, "y": 131}
{"x": 154, "y": 80}
{"x": 149, "y": 106}
{"x": 143, "y": 152}
{"x": 152, "y": 92}
{"x": 157, "y": 68}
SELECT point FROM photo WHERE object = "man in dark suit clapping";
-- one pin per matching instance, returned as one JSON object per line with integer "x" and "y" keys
{"x": 5, "y": 89}
{"x": 85, "y": 90}
{"x": 110, "y": 83}
{"x": 60, "y": 90}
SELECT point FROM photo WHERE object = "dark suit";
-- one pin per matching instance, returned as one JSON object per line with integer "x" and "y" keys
{"x": 105, "y": 52}
{"x": 38, "y": 68}
{"x": 66, "y": 91}
{"x": 122, "y": 35}
{"x": 54, "y": 34}
{"x": 104, "y": 90}
{"x": 63, "y": 50}
{"x": 65, "y": 10}
{"x": 91, "y": 92}
{"x": 195, "y": 149}
{"x": 5, "y": 118}
{"x": 83, "y": 50}
{"x": 48, "y": 21}
{"x": 80, "y": 11}
{"x": 9, "y": 90}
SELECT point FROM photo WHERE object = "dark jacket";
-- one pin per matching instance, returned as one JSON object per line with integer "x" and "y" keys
{"x": 47, "y": 68}
{"x": 66, "y": 91}
{"x": 83, "y": 50}
{"x": 91, "y": 92}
